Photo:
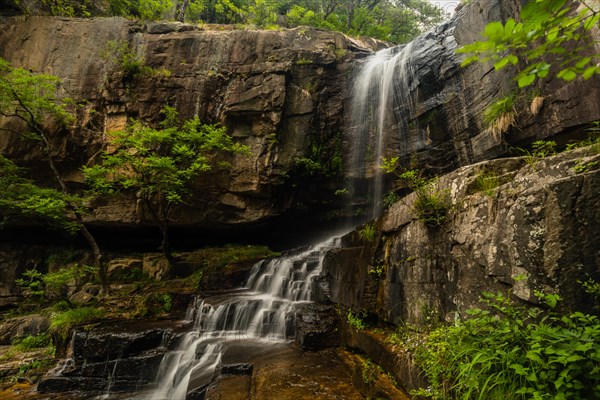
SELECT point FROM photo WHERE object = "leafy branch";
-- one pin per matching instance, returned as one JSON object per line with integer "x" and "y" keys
{"x": 557, "y": 28}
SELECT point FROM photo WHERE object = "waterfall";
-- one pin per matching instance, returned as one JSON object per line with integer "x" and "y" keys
{"x": 381, "y": 104}
{"x": 263, "y": 311}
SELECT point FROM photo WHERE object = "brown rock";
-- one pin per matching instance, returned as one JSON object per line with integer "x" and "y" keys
{"x": 28, "y": 325}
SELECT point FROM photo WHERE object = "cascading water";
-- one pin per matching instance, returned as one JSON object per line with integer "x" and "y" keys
{"x": 262, "y": 311}
{"x": 381, "y": 103}
{"x": 265, "y": 310}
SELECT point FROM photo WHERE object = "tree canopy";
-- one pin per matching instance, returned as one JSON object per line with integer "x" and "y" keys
{"x": 396, "y": 21}
{"x": 160, "y": 165}
{"x": 28, "y": 103}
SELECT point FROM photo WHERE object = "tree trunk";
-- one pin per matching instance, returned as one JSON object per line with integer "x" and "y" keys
{"x": 98, "y": 261}
{"x": 161, "y": 218}
{"x": 166, "y": 250}
{"x": 183, "y": 5}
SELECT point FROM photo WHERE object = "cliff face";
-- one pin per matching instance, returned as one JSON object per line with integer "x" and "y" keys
{"x": 538, "y": 224}
{"x": 439, "y": 122}
{"x": 285, "y": 94}
{"x": 278, "y": 92}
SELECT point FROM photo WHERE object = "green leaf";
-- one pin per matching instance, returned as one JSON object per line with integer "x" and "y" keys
{"x": 591, "y": 22}
{"x": 494, "y": 29}
{"x": 589, "y": 72}
{"x": 583, "y": 62}
{"x": 526, "y": 80}
{"x": 501, "y": 64}
{"x": 567, "y": 74}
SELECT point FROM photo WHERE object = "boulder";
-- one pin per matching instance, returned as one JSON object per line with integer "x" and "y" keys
{"x": 28, "y": 325}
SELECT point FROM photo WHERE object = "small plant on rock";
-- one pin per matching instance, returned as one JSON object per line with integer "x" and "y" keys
{"x": 500, "y": 116}
{"x": 356, "y": 321}
{"x": 368, "y": 232}
{"x": 487, "y": 182}
{"x": 432, "y": 204}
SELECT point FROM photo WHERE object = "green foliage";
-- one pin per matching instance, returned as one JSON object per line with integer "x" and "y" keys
{"x": 539, "y": 149}
{"x": 543, "y": 148}
{"x": 592, "y": 140}
{"x": 22, "y": 197}
{"x": 303, "y": 61}
{"x": 67, "y": 8}
{"x": 33, "y": 103}
{"x": 31, "y": 99}
{"x": 432, "y": 205}
{"x": 62, "y": 322}
{"x": 500, "y": 116}
{"x": 262, "y": 13}
{"x": 394, "y": 21}
{"x": 378, "y": 269}
{"x": 37, "y": 285}
{"x": 32, "y": 342}
{"x": 592, "y": 287}
{"x": 34, "y": 367}
{"x": 586, "y": 166}
{"x": 76, "y": 275}
{"x": 32, "y": 284}
{"x": 356, "y": 321}
{"x": 154, "y": 9}
{"x": 513, "y": 352}
{"x": 161, "y": 165}
{"x": 551, "y": 37}
{"x": 368, "y": 232}
{"x": 487, "y": 182}
{"x": 321, "y": 162}
{"x": 370, "y": 371}
{"x": 390, "y": 198}
{"x": 342, "y": 192}
{"x": 155, "y": 305}
{"x": 119, "y": 53}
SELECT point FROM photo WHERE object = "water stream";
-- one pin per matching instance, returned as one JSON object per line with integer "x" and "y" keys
{"x": 381, "y": 103}
{"x": 263, "y": 311}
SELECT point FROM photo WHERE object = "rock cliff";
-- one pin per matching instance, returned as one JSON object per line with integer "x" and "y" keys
{"x": 285, "y": 94}
{"x": 536, "y": 231}
{"x": 278, "y": 92}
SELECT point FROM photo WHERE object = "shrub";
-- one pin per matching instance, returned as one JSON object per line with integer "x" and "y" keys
{"x": 432, "y": 205}
{"x": 37, "y": 284}
{"x": 390, "y": 198}
{"x": 593, "y": 139}
{"x": 500, "y": 116}
{"x": 32, "y": 342}
{"x": 513, "y": 352}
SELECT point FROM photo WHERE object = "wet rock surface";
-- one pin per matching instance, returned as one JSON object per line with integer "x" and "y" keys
{"x": 317, "y": 326}
{"x": 115, "y": 357}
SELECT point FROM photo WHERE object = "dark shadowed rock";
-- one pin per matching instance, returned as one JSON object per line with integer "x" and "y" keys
{"x": 237, "y": 369}
{"x": 317, "y": 327}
